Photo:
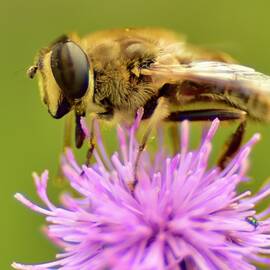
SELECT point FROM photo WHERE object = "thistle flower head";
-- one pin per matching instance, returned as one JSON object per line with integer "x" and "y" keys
{"x": 180, "y": 216}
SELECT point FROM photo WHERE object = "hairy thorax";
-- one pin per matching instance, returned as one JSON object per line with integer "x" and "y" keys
{"x": 119, "y": 86}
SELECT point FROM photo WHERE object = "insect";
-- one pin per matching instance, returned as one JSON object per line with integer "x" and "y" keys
{"x": 114, "y": 73}
{"x": 252, "y": 221}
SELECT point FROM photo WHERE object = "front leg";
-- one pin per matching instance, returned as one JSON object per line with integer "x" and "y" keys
{"x": 79, "y": 133}
{"x": 92, "y": 144}
{"x": 107, "y": 115}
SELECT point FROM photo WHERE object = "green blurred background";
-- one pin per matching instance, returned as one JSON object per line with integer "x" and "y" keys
{"x": 31, "y": 139}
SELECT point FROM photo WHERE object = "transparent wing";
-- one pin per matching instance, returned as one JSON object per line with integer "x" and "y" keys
{"x": 218, "y": 73}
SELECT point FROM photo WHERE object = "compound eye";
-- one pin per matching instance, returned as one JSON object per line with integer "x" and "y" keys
{"x": 70, "y": 68}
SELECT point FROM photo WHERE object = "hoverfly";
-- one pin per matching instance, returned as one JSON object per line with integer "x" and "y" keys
{"x": 114, "y": 73}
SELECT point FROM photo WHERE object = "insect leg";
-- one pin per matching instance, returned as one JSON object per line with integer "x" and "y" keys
{"x": 79, "y": 133}
{"x": 159, "y": 114}
{"x": 234, "y": 141}
{"x": 206, "y": 115}
{"x": 92, "y": 143}
{"x": 80, "y": 137}
{"x": 232, "y": 145}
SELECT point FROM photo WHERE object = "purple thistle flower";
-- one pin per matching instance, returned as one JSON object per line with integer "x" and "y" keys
{"x": 181, "y": 214}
